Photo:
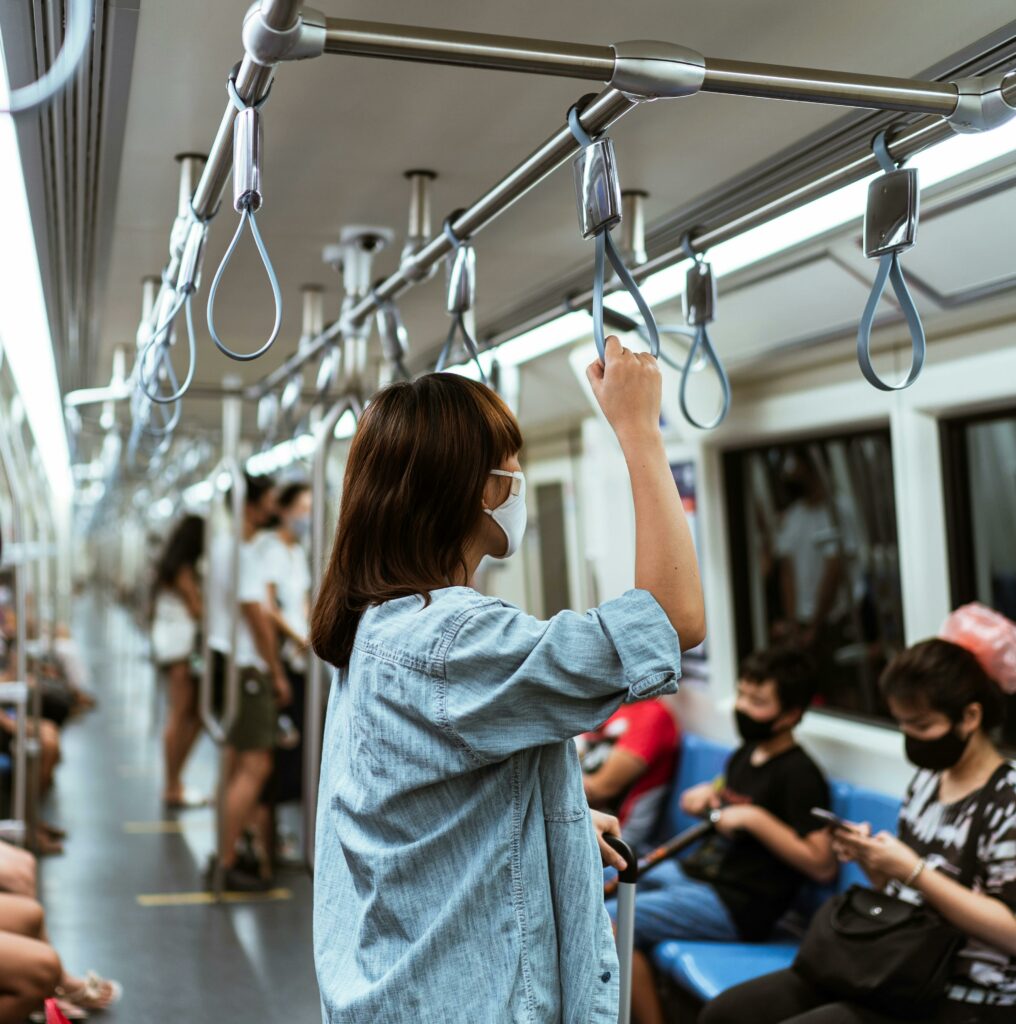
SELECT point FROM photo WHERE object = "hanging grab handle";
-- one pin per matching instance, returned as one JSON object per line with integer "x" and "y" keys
{"x": 188, "y": 278}
{"x": 700, "y": 310}
{"x": 598, "y": 192}
{"x": 65, "y": 65}
{"x": 890, "y": 228}
{"x": 392, "y": 333}
{"x": 246, "y": 201}
{"x": 461, "y": 296}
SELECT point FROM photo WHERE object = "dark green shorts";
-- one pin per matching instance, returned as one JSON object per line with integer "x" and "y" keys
{"x": 254, "y": 728}
{"x": 255, "y": 725}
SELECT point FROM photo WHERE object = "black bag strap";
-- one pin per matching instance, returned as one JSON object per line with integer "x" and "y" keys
{"x": 968, "y": 862}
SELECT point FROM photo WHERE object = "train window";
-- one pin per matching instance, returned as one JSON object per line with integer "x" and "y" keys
{"x": 980, "y": 485}
{"x": 814, "y": 555}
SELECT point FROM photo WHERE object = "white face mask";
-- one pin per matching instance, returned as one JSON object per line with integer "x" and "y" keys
{"x": 511, "y": 514}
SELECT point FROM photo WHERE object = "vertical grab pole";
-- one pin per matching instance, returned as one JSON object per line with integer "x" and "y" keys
{"x": 20, "y": 803}
{"x": 218, "y": 728}
{"x": 312, "y": 724}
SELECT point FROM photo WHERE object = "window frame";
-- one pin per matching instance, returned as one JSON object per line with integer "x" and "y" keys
{"x": 737, "y": 539}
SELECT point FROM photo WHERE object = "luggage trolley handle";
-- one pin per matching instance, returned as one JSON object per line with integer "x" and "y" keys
{"x": 627, "y": 880}
{"x": 218, "y": 728}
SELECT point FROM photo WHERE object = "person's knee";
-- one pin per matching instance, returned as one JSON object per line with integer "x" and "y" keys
{"x": 42, "y": 974}
{"x": 721, "y": 1010}
{"x": 35, "y": 919}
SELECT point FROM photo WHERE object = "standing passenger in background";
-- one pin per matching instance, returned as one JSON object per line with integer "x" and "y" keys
{"x": 262, "y": 680}
{"x": 176, "y": 615}
{"x": 283, "y": 554}
{"x": 458, "y": 868}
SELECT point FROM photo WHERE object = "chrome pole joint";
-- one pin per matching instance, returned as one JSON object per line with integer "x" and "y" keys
{"x": 647, "y": 69}
{"x": 269, "y": 46}
{"x": 984, "y": 102}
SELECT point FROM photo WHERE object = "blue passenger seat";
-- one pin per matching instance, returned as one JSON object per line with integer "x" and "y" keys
{"x": 708, "y": 968}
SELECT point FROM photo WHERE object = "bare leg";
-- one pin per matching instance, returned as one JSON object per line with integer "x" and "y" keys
{"x": 251, "y": 769}
{"x": 49, "y": 757}
{"x": 182, "y": 727}
{"x": 645, "y": 1003}
{"x": 30, "y": 972}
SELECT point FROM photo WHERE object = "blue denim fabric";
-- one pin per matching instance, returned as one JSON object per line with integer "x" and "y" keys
{"x": 458, "y": 877}
{"x": 670, "y": 905}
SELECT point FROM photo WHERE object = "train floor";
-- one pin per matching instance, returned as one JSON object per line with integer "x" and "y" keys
{"x": 126, "y": 897}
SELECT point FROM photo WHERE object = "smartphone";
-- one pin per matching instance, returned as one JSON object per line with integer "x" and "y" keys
{"x": 830, "y": 820}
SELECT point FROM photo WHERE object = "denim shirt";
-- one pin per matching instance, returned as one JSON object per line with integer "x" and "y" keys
{"x": 458, "y": 878}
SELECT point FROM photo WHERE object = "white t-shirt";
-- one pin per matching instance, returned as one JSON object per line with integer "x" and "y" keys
{"x": 252, "y": 588}
{"x": 285, "y": 566}
{"x": 809, "y": 537}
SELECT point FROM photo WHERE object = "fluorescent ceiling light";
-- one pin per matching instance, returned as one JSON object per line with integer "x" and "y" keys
{"x": 938, "y": 163}
{"x": 24, "y": 325}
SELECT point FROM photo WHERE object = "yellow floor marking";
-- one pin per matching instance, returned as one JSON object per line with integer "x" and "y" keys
{"x": 201, "y": 899}
{"x": 163, "y": 828}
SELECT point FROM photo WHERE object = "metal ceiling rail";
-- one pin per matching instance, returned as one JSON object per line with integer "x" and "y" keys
{"x": 605, "y": 63}
{"x": 635, "y": 71}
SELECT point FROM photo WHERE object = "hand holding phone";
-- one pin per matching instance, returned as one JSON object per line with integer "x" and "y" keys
{"x": 830, "y": 820}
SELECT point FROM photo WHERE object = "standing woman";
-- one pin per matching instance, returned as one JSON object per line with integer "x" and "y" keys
{"x": 458, "y": 872}
{"x": 177, "y": 613}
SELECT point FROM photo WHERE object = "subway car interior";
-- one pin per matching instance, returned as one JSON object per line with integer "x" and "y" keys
{"x": 507, "y": 512}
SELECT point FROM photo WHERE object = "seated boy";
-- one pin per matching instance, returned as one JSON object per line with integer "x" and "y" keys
{"x": 741, "y": 880}
{"x": 629, "y": 764}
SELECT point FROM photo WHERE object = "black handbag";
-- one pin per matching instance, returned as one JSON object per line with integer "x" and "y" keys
{"x": 883, "y": 952}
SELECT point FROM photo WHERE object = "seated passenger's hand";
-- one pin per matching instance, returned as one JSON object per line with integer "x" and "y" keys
{"x": 699, "y": 800}
{"x": 737, "y": 818}
{"x": 848, "y": 845}
{"x": 607, "y": 823}
{"x": 886, "y": 856}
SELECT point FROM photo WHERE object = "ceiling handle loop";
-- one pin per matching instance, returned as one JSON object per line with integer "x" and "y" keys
{"x": 890, "y": 228}
{"x": 159, "y": 338}
{"x": 392, "y": 333}
{"x": 246, "y": 201}
{"x": 461, "y": 294}
{"x": 699, "y": 301}
{"x": 65, "y": 65}
{"x": 598, "y": 192}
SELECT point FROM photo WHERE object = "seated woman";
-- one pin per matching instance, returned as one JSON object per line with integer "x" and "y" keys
{"x": 31, "y": 971}
{"x": 946, "y": 706}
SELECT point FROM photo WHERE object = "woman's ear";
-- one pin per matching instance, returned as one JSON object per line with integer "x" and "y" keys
{"x": 972, "y": 719}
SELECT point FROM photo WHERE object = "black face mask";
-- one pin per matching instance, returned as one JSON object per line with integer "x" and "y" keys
{"x": 936, "y": 755}
{"x": 752, "y": 730}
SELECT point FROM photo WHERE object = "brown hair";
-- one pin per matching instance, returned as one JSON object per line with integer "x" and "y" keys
{"x": 412, "y": 496}
{"x": 942, "y": 676}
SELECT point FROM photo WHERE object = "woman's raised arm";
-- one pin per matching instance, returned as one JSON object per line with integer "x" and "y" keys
{"x": 629, "y": 389}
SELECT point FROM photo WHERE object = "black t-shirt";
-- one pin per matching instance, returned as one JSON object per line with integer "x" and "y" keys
{"x": 755, "y": 885}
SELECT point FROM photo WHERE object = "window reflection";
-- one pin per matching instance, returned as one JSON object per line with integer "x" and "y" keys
{"x": 980, "y": 474}
{"x": 815, "y": 525}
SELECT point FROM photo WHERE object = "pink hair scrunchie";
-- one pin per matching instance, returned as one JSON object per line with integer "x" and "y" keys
{"x": 989, "y": 636}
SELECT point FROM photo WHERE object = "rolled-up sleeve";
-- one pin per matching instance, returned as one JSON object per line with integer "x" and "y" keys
{"x": 512, "y": 681}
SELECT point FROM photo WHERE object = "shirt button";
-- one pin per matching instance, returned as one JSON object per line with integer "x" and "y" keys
{"x": 605, "y": 977}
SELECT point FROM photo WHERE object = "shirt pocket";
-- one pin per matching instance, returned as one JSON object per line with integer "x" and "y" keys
{"x": 564, "y": 798}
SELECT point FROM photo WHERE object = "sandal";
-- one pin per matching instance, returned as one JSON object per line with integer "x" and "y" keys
{"x": 97, "y": 993}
